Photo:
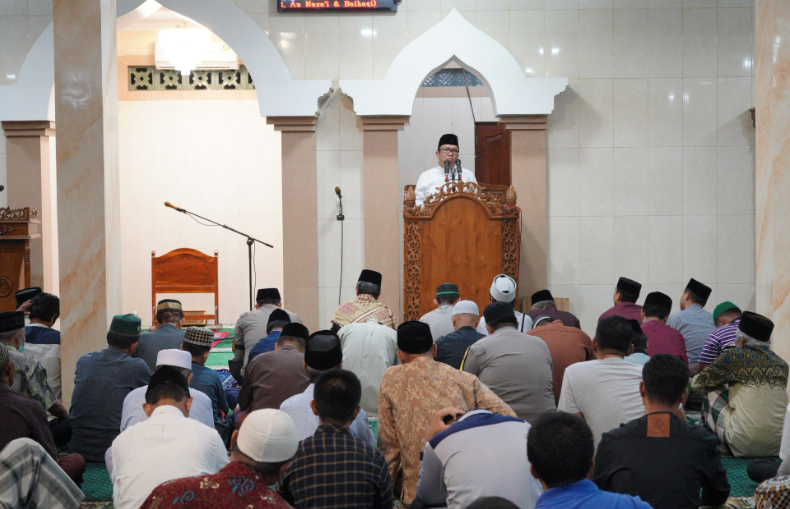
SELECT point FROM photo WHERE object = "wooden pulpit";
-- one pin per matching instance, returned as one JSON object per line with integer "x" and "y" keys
{"x": 462, "y": 235}
{"x": 17, "y": 228}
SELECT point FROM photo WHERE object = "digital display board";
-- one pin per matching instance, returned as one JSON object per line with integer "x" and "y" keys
{"x": 336, "y": 5}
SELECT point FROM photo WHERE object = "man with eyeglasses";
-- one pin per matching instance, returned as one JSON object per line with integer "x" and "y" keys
{"x": 431, "y": 180}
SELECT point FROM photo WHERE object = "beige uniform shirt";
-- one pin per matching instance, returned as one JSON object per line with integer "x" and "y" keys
{"x": 251, "y": 327}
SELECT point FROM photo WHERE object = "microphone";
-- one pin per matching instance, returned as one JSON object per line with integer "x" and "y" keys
{"x": 459, "y": 170}
{"x": 2, "y": 187}
{"x": 446, "y": 171}
{"x": 340, "y": 217}
{"x": 168, "y": 204}
{"x": 337, "y": 192}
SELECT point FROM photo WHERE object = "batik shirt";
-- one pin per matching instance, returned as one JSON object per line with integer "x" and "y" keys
{"x": 236, "y": 486}
{"x": 30, "y": 378}
{"x": 362, "y": 309}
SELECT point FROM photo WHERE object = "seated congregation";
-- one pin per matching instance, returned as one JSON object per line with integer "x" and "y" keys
{"x": 457, "y": 410}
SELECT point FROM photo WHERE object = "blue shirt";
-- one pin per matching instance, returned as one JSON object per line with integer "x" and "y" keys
{"x": 265, "y": 345}
{"x": 586, "y": 495}
{"x": 101, "y": 382}
{"x": 695, "y": 324}
{"x": 207, "y": 381}
{"x": 41, "y": 335}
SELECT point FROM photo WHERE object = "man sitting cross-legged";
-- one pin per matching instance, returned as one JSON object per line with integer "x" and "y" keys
{"x": 681, "y": 455}
{"x": 260, "y": 452}
{"x": 334, "y": 469}
{"x": 560, "y": 449}
{"x": 164, "y": 447}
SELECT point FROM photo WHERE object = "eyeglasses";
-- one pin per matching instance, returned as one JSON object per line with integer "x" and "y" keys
{"x": 448, "y": 151}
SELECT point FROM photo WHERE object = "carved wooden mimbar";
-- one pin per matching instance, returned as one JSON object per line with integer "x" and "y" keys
{"x": 17, "y": 228}
{"x": 462, "y": 235}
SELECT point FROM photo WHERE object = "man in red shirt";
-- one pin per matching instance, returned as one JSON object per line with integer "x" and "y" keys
{"x": 625, "y": 294}
{"x": 567, "y": 345}
{"x": 661, "y": 338}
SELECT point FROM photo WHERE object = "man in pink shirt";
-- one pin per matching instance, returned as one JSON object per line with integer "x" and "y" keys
{"x": 661, "y": 338}
{"x": 625, "y": 295}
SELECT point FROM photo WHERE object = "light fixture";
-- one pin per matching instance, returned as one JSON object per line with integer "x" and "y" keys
{"x": 185, "y": 47}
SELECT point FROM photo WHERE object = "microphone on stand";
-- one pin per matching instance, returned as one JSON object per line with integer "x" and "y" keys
{"x": 447, "y": 171}
{"x": 340, "y": 217}
{"x": 459, "y": 170}
{"x": 168, "y": 204}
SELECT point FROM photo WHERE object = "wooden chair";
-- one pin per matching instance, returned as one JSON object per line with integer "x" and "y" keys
{"x": 185, "y": 271}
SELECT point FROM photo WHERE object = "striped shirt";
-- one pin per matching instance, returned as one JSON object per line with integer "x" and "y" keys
{"x": 718, "y": 341}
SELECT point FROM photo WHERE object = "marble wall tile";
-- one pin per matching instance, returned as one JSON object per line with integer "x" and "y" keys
{"x": 561, "y": 50}
{"x": 735, "y": 181}
{"x": 741, "y": 295}
{"x": 350, "y": 128}
{"x": 328, "y": 176}
{"x": 734, "y": 119}
{"x": 328, "y": 125}
{"x": 631, "y": 181}
{"x": 631, "y": 47}
{"x": 14, "y": 8}
{"x": 699, "y": 112}
{"x": 261, "y": 19}
{"x": 563, "y": 123}
{"x": 424, "y": 5}
{"x": 321, "y": 46}
{"x": 665, "y": 41}
{"x": 595, "y": 4}
{"x": 420, "y": 22}
{"x": 329, "y": 253}
{"x": 666, "y": 248}
{"x": 665, "y": 4}
{"x": 596, "y": 182}
{"x": 595, "y": 43}
{"x": 631, "y": 247}
{"x": 699, "y": 42}
{"x": 356, "y": 46}
{"x": 593, "y": 301}
{"x": 492, "y": 5}
{"x": 390, "y": 36}
{"x": 736, "y": 3}
{"x": 564, "y": 249}
{"x": 596, "y": 250}
{"x": 351, "y": 183}
{"x": 249, "y": 6}
{"x": 461, "y": 5}
{"x": 287, "y": 34}
{"x": 527, "y": 41}
{"x": 699, "y": 181}
{"x": 526, "y": 5}
{"x": 596, "y": 111}
{"x": 736, "y": 243}
{"x": 563, "y": 181}
{"x": 735, "y": 42}
{"x": 495, "y": 23}
{"x": 665, "y": 195}
{"x": 700, "y": 248}
{"x": 699, "y": 4}
{"x": 631, "y": 4}
{"x": 561, "y": 4}
{"x": 631, "y": 112}
{"x": 15, "y": 41}
{"x": 570, "y": 292}
{"x": 665, "y": 112}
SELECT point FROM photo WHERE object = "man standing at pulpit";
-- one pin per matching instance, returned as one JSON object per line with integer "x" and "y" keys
{"x": 431, "y": 180}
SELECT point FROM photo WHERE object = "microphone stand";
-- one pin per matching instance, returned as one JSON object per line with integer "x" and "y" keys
{"x": 250, "y": 241}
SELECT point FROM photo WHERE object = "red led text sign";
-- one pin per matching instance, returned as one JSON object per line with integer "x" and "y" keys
{"x": 336, "y": 5}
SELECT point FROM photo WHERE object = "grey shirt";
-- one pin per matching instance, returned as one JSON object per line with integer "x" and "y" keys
{"x": 695, "y": 324}
{"x": 518, "y": 368}
{"x": 166, "y": 337}
{"x": 440, "y": 320}
{"x": 251, "y": 327}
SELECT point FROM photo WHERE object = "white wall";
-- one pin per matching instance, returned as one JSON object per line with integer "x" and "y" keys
{"x": 216, "y": 158}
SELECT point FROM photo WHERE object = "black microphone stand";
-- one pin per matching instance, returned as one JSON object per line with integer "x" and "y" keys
{"x": 250, "y": 241}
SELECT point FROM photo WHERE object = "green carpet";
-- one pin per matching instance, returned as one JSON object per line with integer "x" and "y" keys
{"x": 222, "y": 353}
{"x": 97, "y": 486}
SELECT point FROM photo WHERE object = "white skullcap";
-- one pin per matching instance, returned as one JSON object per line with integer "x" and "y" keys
{"x": 503, "y": 289}
{"x": 268, "y": 436}
{"x": 466, "y": 307}
{"x": 177, "y": 358}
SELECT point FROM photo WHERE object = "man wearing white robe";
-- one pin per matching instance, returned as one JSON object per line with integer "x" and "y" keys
{"x": 431, "y": 180}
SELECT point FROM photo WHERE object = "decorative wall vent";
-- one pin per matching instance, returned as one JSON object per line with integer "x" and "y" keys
{"x": 150, "y": 78}
{"x": 452, "y": 78}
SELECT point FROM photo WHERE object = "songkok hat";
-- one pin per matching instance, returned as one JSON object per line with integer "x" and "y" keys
{"x": 541, "y": 318}
{"x": 756, "y": 326}
{"x": 268, "y": 294}
{"x": 498, "y": 312}
{"x": 12, "y": 320}
{"x": 658, "y": 299}
{"x": 773, "y": 494}
{"x": 492, "y": 503}
{"x": 295, "y": 330}
{"x": 466, "y": 307}
{"x": 370, "y": 276}
{"x": 25, "y": 295}
{"x": 125, "y": 325}
{"x": 447, "y": 139}
{"x": 174, "y": 357}
{"x": 3, "y": 356}
{"x": 268, "y": 436}
{"x": 447, "y": 289}
{"x": 414, "y": 337}
{"x": 279, "y": 315}
{"x": 541, "y": 296}
{"x": 503, "y": 289}
{"x": 169, "y": 304}
{"x": 167, "y": 375}
{"x": 200, "y": 336}
{"x": 629, "y": 286}
{"x": 322, "y": 350}
{"x": 722, "y": 308}
{"x": 698, "y": 289}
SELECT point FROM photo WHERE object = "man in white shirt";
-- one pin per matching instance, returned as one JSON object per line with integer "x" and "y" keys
{"x": 503, "y": 289}
{"x": 322, "y": 352}
{"x": 441, "y": 318}
{"x": 431, "y": 180}
{"x": 605, "y": 392}
{"x": 167, "y": 446}
{"x": 368, "y": 350}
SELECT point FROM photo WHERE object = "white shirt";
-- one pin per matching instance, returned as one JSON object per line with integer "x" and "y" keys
{"x": 167, "y": 446}
{"x": 524, "y": 323}
{"x": 431, "y": 180}
{"x": 49, "y": 357}
{"x": 605, "y": 391}
{"x": 298, "y": 407}
{"x": 201, "y": 409}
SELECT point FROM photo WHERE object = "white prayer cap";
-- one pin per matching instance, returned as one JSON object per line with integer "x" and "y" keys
{"x": 177, "y": 358}
{"x": 268, "y": 436}
{"x": 503, "y": 289}
{"x": 466, "y": 307}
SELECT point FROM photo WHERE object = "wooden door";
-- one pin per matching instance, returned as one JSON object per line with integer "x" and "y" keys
{"x": 492, "y": 153}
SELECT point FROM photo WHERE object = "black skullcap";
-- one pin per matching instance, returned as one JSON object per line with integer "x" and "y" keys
{"x": 268, "y": 294}
{"x": 447, "y": 289}
{"x": 629, "y": 286}
{"x": 12, "y": 320}
{"x": 414, "y": 337}
{"x": 370, "y": 276}
{"x": 698, "y": 289}
{"x": 492, "y": 503}
{"x": 167, "y": 375}
{"x": 279, "y": 315}
{"x": 658, "y": 299}
{"x": 498, "y": 312}
{"x": 25, "y": 295}
{"x": 295, "y": 330}
{"x": 756, "y": 326}
{"x": 322, "y": 350}
{"x": 448, "y": 139}
{"x": 541, "y": 296}
{"x": 635, "y": 325}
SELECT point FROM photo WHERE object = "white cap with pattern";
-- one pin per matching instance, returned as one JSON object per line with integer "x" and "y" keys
{"x": 176, "y": 358}
{"x": 268, "y": 436}
{"x": 503, "y": 289}
{"x": 466, "y": 307}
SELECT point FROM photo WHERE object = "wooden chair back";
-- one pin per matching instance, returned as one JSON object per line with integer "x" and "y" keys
{"x": 185, "y": 271}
